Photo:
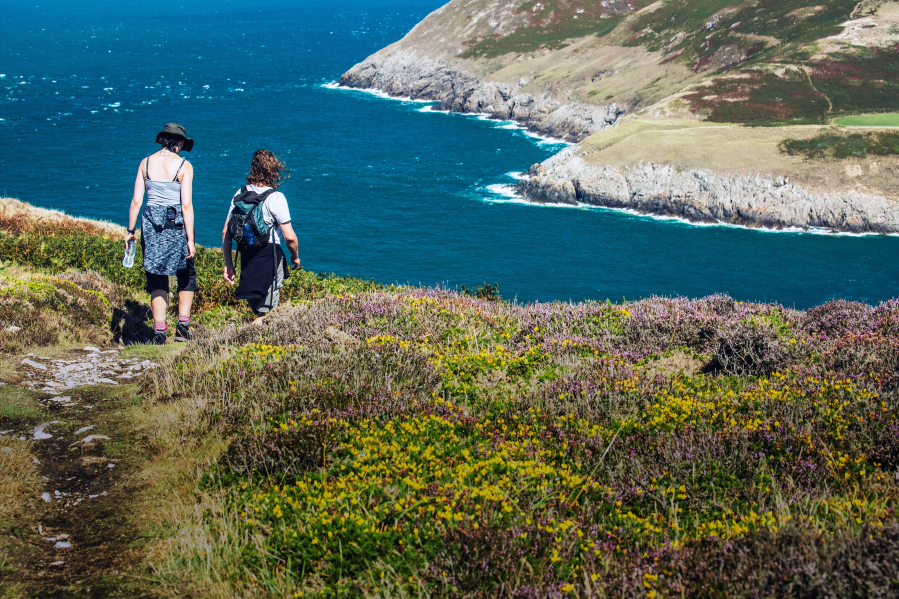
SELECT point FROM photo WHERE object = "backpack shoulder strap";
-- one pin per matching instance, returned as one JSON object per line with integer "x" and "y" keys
{"x": 264, "y": 195}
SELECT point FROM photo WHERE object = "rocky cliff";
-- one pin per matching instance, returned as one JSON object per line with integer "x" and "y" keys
{"x": 409, "y": 74}
{"x": 705, "y": 196}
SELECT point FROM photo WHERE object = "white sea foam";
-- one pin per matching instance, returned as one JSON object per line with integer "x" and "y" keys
{"x": 481, "y": 116}
{"x": 503, "y": 190}
{"x": 543, "y": 139}
{"x": 375, "y": 92}
{"x": 500, "y": 193}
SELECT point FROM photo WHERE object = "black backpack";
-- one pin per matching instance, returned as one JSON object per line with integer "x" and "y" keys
{"x": 246, "y": 225}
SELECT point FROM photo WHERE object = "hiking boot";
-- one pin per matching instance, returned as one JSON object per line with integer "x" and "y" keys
{"x": 159, "y": 338}
{"x": 183, "y": 332}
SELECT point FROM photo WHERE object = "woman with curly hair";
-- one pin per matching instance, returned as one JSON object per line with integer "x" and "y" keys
{"x": 167, "y": 231}
{"x": 262, "y": 261}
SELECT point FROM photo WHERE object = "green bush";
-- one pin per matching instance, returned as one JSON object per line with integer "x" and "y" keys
{"x": 840, "y": 146}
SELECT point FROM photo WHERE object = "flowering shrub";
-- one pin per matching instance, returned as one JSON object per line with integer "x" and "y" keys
{"x": 421, "y": 441}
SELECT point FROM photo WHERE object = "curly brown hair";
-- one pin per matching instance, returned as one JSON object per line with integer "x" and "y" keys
{"x": 266, "y": 170}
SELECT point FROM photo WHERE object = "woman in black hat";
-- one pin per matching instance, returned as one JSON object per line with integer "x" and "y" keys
{"x": 167, "y": 233}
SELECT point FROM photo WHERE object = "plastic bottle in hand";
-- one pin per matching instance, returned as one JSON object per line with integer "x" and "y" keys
{"x": 128, "y": 261}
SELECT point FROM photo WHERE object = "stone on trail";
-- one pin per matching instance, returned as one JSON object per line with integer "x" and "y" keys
{"x": 63, "y": 545}
{"x": 39, "y": 434}
{"x": 33, "y": 364}
{"x": 105, "y": 380}
{"x": 91, "y": 438}
{"x": 93, "y": 460}
{"x": 56, "y": 563}
{"x": 91, "y": 348}
{"x": 46, "y": 497}
{"x": 83, "y": 429}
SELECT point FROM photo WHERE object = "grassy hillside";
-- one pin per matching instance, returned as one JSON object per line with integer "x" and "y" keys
{"x": 823, "y": 159}
{"x": 738, "y": 61}
{"x": 399, "y": 442}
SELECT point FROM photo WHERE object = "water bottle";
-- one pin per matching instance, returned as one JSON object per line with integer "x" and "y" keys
{"x": 128, "y": 260}
{"x": 248, "y": 234}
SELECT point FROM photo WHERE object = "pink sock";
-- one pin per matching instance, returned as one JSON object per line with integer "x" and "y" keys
{"x": 159, "y": 325}
{"x": 184, "y": 319}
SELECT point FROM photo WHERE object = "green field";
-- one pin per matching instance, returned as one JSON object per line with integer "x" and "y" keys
{"x": 890, "y": 119}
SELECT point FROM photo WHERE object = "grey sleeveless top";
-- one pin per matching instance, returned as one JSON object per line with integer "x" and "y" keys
{"x": 163, "y": 193}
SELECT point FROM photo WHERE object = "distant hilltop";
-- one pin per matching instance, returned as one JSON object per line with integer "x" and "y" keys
{"x": 571, "y": 68}
{"x": 575, "y": 69}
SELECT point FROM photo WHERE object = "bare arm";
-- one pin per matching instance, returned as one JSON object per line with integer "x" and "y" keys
{"x": 292, "y": 244}
{"x": 137, "y": 201}
{"x": 187, "y": 206}
{"x": 226, "y": 250}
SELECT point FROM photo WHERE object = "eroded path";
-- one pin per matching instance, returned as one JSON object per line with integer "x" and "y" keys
{"x": 77, "y": 539}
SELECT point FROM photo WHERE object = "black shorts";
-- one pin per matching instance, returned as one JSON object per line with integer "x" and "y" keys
{"x": 187, "y": 279}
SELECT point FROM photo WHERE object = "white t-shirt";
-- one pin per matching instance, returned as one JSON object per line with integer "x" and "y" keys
{"x": 274, "y": 210}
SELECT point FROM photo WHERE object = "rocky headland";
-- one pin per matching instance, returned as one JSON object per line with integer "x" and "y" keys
{"x": 574, "y": 70}
{"x": 706, "y": 196}
{"x": 411, "y": 75}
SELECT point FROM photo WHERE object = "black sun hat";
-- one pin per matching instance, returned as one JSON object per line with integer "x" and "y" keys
{"x": 176, "y": 130}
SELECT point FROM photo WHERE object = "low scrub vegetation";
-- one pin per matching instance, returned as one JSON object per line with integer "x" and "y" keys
{"x": 55, "y": 246}
{"x": 393, "y": 442}
{"x": 50, "y": 310}
{"x": 422, "y": 442}
{"x": 838, "y": 145}
{"x": 814, "y": 91}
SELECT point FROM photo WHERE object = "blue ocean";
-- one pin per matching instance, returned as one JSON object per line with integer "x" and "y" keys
{"x": 379, "y": 188}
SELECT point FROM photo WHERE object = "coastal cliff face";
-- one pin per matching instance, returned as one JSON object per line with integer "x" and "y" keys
{"x": 705, "y": 196}
{"x": 409, "y": 74}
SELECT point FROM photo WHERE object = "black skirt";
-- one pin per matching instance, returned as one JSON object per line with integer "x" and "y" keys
{"x": 258, "y": 270}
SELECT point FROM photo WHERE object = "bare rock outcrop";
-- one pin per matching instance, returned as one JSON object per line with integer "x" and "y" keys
{"x": 401, "y": 73}
{"x": 705, "y": 196}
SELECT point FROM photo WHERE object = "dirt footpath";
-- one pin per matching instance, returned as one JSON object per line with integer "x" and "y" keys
{"x": 77, "y": 538}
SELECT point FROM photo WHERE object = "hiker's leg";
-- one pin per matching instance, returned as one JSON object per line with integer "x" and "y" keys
{"x": 187, "y": 286}
{"x": 158, "y": 288}
{"x": 270, "y": 302}
{"x": 185, "y": 302}
{"x": 158, "y": 304}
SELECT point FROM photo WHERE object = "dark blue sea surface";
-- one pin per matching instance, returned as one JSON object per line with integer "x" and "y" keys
{"x": 379, "y": 188}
